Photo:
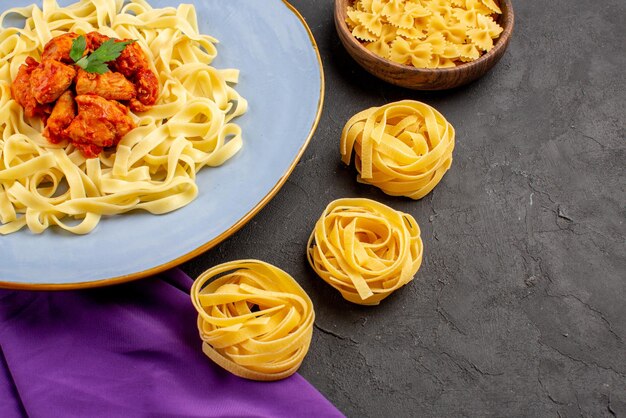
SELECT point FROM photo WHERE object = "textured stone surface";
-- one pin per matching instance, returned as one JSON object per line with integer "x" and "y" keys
{"x": 519, "y": 308}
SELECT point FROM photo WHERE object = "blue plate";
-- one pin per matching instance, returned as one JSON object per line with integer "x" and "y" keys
{"x": 282, "y": 79}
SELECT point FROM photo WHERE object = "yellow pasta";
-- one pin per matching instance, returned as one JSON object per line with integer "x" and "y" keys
{"x": 404, "y": 148}
{"x": 427, "y": 33}
{"x": 155, "y": 165}
{"x": 254, "y": 319}
{"x": 364, "y": 249}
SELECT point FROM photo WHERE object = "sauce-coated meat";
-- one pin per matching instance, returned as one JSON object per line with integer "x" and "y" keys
{"x": 131, "y": 60}
{"x": 134, "y": 65}
{"x": 59, "y": 48}
{"x": 21, "y": 92}
{"x": 95, "y": 40}
{"x": 50, "y": 79}
{"x": 147, "y": 86}
{"x": 110, "y": 85}
{"x": 62, "y": 115}
{"x": 100, "y": 123}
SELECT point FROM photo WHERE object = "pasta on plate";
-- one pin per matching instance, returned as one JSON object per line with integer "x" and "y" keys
{"x": 155, "y": 165}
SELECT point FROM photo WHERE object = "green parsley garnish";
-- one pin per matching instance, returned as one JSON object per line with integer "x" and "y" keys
{"x": 96, "y": 61}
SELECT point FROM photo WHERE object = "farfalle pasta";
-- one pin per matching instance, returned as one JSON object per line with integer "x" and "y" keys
{"x": 254, "y": 319}
{"x": 425, "y": 33}
{"x": 364, "y": 249}
{"x": 404, "y": 148}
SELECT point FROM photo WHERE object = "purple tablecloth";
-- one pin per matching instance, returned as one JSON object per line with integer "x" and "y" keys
{"x": 129, "y": 350}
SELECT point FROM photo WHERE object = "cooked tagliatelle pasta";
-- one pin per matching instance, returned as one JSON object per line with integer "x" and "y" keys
{"x": 364, "y": 249}
{"x": 254, "y": 319}
{"x": 404, "y": 148}
{"x": 425, "y": 33}
{"x": 155, "y": 165}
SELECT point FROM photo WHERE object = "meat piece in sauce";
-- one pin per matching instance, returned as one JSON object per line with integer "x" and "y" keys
{"x": 59, "y": 48}
{"x": 131, "y": 60}
{"x": 100, "y": 123}
{"x": 134, "y": 65}
{"x": 110, "y": 85}
{"x": 62, "y": 115}
{"x": 50, "y": 79}
{"x": 21, "y": 92}
{"x": 136, "y": 106}
{"x": 94, "y": 40}
{"x": 147, "y": 86}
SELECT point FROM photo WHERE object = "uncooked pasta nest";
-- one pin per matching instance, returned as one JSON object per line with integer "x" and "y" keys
{"x": 403, "y": 148}
{"x": 425, "y": 33}
{"x": 254, "y": 319}
{"x": 364, "y": 249}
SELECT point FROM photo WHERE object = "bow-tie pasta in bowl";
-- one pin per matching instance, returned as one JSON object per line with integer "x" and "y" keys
{"x": 425, "y": 44}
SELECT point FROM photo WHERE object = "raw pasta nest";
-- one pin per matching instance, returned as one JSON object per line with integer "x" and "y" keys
{"x": 254, "y": 319}
{"x": 404, "y": 148}
{"x": 154, "y": 166}
{"x": 425, "y": 33}
{"x": 364, "y": 249}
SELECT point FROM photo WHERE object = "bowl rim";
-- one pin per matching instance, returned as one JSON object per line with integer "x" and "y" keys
{"x": 507, "y": 22}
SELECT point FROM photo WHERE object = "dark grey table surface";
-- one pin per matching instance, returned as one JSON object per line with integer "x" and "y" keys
{"x": 519, "y": 308}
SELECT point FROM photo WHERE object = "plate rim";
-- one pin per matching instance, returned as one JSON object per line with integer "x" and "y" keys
{"x": 221, "y": 237}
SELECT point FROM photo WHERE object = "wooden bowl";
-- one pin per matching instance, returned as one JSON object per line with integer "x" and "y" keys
{"x": 424, "y": 78}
